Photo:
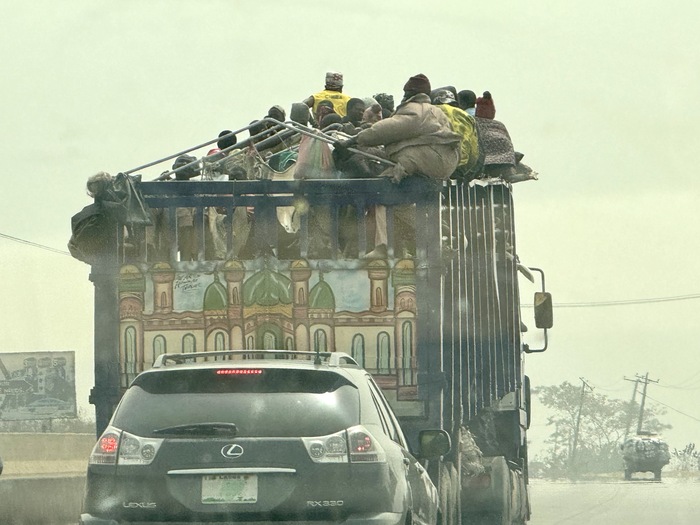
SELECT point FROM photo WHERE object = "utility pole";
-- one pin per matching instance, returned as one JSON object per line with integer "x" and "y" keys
{"x": 578, "y": 420}
{"x": 644, "y": 398}
{"x": 634, "y": 397}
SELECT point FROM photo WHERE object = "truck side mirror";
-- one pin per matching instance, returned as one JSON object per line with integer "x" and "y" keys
{"x": 433, "y": 443}
{"x": 543, "y": 310}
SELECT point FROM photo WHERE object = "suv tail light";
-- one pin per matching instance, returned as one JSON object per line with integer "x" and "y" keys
{"x": 118, "y": 447}
{"x": 354, "y": 445}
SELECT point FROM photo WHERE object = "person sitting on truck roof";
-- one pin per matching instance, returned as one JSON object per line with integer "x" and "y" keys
{"x": 499, "y": 157}
{"x": 386, "y": 101}
{"x": 372, "y": 114}
{"x": 467, "y": 101}
{"x": 355, "y": 110}
{"x": 485, "y": 107}
{"x": 333, "y": 92}
{"x": 329, "y": 120}
{"x": 495, "y": 141}
{"x": 465, "y": 126}
{"x": 417, "y": 137}
{"x": 324, "y": 108}
{"x": 299, "y": 113}
{"x": 277, "y": 113}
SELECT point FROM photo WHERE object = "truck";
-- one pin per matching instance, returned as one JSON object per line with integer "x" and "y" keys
{"x": 277, "y": 262}
{"x": 645, "y": 453}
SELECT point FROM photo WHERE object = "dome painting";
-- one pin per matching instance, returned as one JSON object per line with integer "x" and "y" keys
{"x": 321, "y": 296}
{"x": 215, "y": 296}
{"x": 267, "y": 288}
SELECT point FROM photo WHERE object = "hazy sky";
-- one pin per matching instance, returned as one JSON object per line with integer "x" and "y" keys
{"x": 601, "y": 96}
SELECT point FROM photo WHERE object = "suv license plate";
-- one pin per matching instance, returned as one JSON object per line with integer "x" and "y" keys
{"x": 230, "y": 488}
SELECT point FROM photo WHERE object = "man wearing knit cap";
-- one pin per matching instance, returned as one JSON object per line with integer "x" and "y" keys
{"x": 485, "y": 107}
{"x": 494, "y": 140}
{"x": 418, "y": 136}
{"x": 332, "y": 92}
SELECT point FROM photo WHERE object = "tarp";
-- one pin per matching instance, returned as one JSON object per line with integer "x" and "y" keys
{"x": 118, "y": 203}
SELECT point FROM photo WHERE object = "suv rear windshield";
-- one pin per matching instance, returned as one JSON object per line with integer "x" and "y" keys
{"x": 267, "y": 402}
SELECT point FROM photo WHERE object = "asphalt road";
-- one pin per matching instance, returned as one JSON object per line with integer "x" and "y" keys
{"x": 669, "y": 502}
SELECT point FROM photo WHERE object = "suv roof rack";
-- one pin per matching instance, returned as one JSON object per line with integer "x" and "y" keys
{"x": 329, "y": 358}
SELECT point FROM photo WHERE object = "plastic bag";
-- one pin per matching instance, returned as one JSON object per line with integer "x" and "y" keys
{"x": 315, "y": 160}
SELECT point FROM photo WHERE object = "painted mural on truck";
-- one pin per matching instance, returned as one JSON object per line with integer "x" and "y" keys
{"x": 37, "y": 385}
{"x": 367, "y": 311}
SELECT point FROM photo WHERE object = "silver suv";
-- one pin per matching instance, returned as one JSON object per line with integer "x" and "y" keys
{"x": 254, "y": 437}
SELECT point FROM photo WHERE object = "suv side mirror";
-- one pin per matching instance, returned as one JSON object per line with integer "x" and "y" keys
{"x": 433, "y": 443}
{"x": 543, "y": 310}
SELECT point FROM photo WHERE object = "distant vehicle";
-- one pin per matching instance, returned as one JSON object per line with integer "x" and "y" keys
{"x": 259, "y": 437}
{"x": 645, "y": 454}
{"x": 48, "y": 405}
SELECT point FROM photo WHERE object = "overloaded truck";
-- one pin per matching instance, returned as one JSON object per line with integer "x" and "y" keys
{"x": 279, "y": 262}
{"x": 645, "y": 453}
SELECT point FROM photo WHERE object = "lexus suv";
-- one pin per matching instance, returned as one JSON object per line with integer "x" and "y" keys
{"x": 254, "y": 437}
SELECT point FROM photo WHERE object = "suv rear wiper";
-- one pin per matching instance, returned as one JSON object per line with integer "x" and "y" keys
{"x": 200, "y": 429}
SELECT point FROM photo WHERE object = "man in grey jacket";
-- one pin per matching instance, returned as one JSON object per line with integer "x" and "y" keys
{"x": 418, "y": 136}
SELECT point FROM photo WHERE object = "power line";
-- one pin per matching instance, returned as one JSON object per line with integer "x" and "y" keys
{"x": 674, "y": 409}
{"x": 625, "y": 302}
{"x": 34, "y": 244}
{"x": 590, "y": 304}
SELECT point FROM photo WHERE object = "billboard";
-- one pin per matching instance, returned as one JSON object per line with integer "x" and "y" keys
{"x": 37, "y": 385}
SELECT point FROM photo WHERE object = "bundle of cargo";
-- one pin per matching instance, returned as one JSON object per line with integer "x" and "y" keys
{"x": 645, "y": 454}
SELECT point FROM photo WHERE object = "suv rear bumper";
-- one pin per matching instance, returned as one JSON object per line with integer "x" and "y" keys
{"x": 382, "y": 518}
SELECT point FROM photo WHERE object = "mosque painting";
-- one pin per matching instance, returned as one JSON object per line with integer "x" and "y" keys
{"x": 368, "y": 312}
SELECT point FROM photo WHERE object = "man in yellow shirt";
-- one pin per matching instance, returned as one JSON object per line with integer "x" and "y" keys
{"x": 333, "y": 92}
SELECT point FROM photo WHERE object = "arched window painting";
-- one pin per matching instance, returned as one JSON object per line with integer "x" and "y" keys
{"x": 358, "y": 349}
{"x": 378, "y": 297}
{"x": 383, "y": 354}
{"x": 320, "y": 341}
{"x": 250, "y": 344}
{"x": 163, "y": 300}
{"x": 159, "y": 347}
{"x": 301, "y": 296}
{"x": 407, "y": 352}
{"x": 219, "y": 345}
{"x": 290, "y": 344}
{"x": 234, "y": 298}
{"x": 189, "y": 345}
{"x": 269, "y": 341}
{"x": 130, "y": 352}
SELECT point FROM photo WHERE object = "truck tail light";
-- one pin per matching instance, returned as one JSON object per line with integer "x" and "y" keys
{"x": 354, "y": 445}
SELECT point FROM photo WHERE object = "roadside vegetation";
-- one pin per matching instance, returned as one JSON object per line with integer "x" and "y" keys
{"x": 587, "y": 430}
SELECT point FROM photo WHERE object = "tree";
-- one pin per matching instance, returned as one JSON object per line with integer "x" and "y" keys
{"x": 686, "y": 459}
{"x": 602, "y": 427}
